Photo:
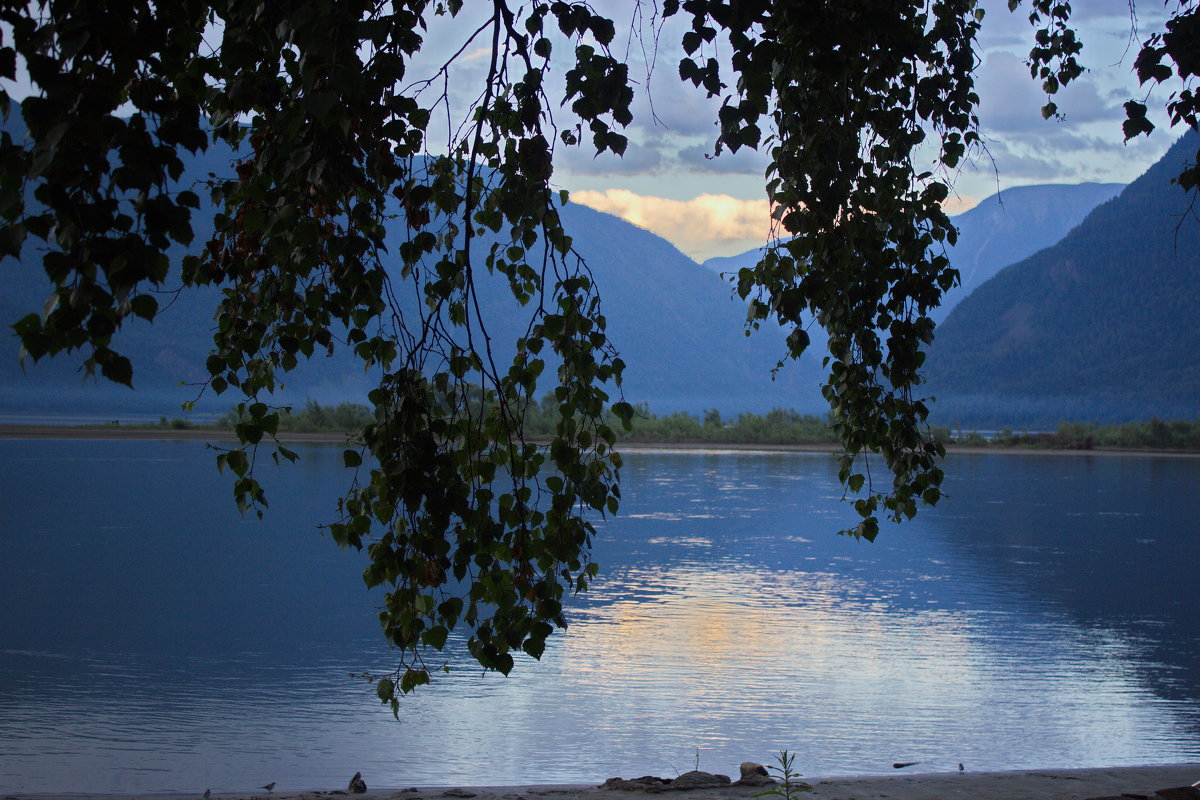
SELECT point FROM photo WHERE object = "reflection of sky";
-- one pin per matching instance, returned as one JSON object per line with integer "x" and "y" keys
{"x": 728, "y": 621}
{"x": 790, "y": 661}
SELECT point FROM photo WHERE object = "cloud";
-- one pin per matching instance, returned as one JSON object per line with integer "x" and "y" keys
{"x": 703, "y": 227}
{"x": 1011, "y": 101}
{"x": 477, "y": 54}
{"x": 1092, "y": 19}
{"x": 582, "y": 159}
{"x": 1061, "y": 156}
{"x": 707, "y": 225}
{"x": 1119, "y": 12}
{"x": 1008, "y": 163}
{"x": 678, "y": 108}
{"x": 958, "y": 203}
{"x": 744, "y": 161}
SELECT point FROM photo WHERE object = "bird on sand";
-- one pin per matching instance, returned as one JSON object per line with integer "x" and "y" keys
{"x": 270, "y": 786}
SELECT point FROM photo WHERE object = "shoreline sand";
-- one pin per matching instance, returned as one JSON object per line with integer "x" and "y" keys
{"x": 1131, "y": 783}
{"x": 116, "y": 433}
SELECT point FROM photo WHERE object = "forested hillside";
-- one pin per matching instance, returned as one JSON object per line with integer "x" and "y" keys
{"x": 1014, "y": 224}
{"x": 1102, "y": 326}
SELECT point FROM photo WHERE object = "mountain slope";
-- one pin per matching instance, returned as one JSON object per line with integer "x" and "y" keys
{"x": 1103, "y": 325}
{"x": 679, "y": 328}
{"x": 1014, "y": 224}
{"x": 673, "y": 321}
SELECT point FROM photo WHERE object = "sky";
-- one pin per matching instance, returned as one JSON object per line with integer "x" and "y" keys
{"x": 668, "y": 182}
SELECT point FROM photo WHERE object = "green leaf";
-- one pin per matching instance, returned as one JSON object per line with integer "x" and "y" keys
{"x": 12, "y": 237}
{"x": 412, "y": 678}
{"x": 248, "y": 432}
{"x": 534, "y": 647}
{"x": 117, "y": 369}
{"x": 435, "y": 637}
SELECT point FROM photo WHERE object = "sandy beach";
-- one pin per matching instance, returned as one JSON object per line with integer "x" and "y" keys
{"x": 1130, "y": 783}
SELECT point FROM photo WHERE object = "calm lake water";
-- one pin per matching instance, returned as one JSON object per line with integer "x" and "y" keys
{"x": 153, "y": 640}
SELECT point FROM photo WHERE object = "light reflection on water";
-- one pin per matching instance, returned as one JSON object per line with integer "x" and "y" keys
{"x": 1042, "y": 618}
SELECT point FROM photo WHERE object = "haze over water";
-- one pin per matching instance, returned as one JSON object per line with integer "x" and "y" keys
{"x": 152, "y": 640}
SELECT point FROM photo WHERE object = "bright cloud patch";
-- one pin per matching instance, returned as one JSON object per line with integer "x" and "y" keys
{"x": 958, "y": 203}
{"x": 705, "y": 226}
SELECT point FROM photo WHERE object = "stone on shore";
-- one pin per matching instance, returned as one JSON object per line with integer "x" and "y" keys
{"x": 754, "y": 775}
{"x": 646, "y": 783}
{"x": 694, "y": 779}
{"x": 699, "y": 780}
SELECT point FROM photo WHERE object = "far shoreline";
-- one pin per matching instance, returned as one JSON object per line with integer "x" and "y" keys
{"x": 166, "y": 434}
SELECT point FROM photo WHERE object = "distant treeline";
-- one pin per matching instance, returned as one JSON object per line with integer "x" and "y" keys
{"x": 1155, "y": 434}
{"x": 315, "y": 418}
{"x": 779, "y": 426}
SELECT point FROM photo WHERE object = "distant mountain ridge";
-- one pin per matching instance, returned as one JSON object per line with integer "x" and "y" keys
{"x": 1002, "y": 229}
{"x": 1117, "y": 338}
{"x": 1102, "y": 326}
{"x": 672, "y": 320}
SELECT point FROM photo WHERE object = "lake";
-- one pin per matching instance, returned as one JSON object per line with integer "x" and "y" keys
{"x": 152, "y": 640}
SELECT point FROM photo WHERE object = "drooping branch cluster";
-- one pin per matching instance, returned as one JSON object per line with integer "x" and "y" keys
{"x": 853, "y": 96}
{"x": 468, "y": 524}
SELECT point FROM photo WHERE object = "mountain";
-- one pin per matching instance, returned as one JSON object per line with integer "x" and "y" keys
{"x": 1101, "y": 326}
{"x": 166, "y": 353}
{"x": 1014, "y": 224}
{"x": 679, "y": 328}
{"x": 1003, "y": 229}
{"x": 673, "y": 321}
